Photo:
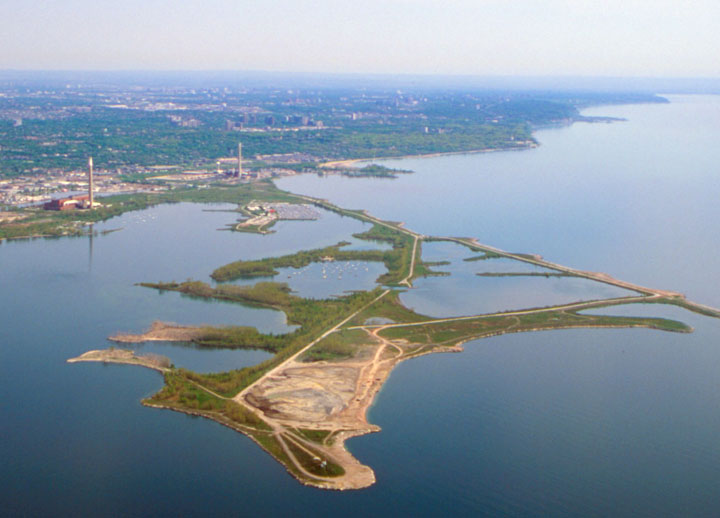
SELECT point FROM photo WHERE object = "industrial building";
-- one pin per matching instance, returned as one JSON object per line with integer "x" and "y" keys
{"x": 71, "y": 203}
{"x": 83, "y": 201}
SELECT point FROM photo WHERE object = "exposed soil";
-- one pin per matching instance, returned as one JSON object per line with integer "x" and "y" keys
{"x": 9, "y": 217}
{"x": 126, "y": 356}
{"x": 161, "y": 332}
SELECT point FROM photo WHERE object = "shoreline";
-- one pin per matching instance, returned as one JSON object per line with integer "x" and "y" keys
{"x": 125, "y": 357}
{"x": 348, "y": 163}
{"x": 160, "y": 332}
{"x": 237, "y": 428}
{"x": 339, "y": 164}
{"x": 333, "y": 397}
{"x": 368, "y": 386}
{"x": 306, "y": 411}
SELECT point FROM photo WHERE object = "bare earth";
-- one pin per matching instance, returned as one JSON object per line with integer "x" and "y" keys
{"x": 9, "y": 217}
{"x": 350, "y": 163}
{"x": 151, "y": 361}
{"x": 334, "y": 396}
{"x": 160, "y": 332}
{"x": 331, "y": 396}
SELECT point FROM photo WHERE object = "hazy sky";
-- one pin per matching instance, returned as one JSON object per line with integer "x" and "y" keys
{"x": 479, "y": 37}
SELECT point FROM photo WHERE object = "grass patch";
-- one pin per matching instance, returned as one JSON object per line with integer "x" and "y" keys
{"x": 313, "y": 316}
{"x": 180, "y": 393}
{"x": 337, "y": 346}
{"x": 316, "y": 463}
{"x": 267, "y": 267}
{"x": 397, "y": 261}
{"x": 484, "y": 257}
{"x": 388, "y": 307}
{"x": 318, "y": 436}
{"x": 457, "y": 331}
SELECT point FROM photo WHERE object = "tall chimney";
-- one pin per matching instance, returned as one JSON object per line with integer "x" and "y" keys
{"x": 90, "y": 181}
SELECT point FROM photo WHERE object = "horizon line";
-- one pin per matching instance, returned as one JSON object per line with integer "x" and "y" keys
{"x": 355, "y": 74}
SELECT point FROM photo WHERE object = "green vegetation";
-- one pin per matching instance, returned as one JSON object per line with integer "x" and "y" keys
{"x": 457, "y": 331}
{"x": 39, "y": 222}
{"x": 129, "y": 126}
{"x": 485, "y": 256}
{"x": 389, "y": 307}
{"x": 337, "y": 346}
{"x": 318, "y": 436}
{"x": 374, "y": 170}
{"x": 314, "y": 463}
{"x": 683, "y": 303}
{"x": 209, "y": 395}
{"x": 180, "y": 393}
{"x": 425, "y": 268}
{"x": 385, "y": 234}
{"x": 267, "y": 267}
{"x": 239, "y": 337}
{"x": 180, "y": 127}
{"x": 314, "y": 316}
{"x": 397, "y": 260}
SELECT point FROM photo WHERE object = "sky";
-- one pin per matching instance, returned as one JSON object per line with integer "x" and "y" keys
{"x": 639, "y": 38}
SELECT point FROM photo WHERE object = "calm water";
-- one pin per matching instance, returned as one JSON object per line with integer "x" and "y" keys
{"x": 325, "y": 280}
{"x": 637, "y": 199}
{"x": 558, "y": 423}
{"x": 463, "y": 292}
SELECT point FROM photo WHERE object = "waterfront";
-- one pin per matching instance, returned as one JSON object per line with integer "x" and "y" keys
{"x": 557, "y": 422}
{"x": 601, "y": 197}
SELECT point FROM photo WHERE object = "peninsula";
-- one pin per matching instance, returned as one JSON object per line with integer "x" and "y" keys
{"x": 302, "y": 404}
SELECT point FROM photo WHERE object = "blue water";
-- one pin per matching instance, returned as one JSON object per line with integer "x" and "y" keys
{"x": 557, "y": 423}
{"x": 636, "y": 199}
{"x": 325, "y": 280}
{"x": 462, "y": 292}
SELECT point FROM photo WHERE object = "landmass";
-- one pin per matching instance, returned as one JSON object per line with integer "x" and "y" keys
{"x": 302, "y": 404}
{"x": 125, "y": 356}
{"x": 149, "y": 144}
{"x": 160, "y": 332}
{"x": 154, "y": 146}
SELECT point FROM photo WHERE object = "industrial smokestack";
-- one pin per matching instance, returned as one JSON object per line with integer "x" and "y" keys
{"x": 90, "y": 181}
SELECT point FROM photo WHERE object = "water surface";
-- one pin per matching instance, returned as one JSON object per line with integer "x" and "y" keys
{"x": 461, "y": 291}
{"x": 636, "y": 199}
{"x": 556, "y": 423}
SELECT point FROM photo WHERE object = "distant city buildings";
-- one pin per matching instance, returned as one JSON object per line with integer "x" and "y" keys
{"x": 185, "y": 122}
{"x": 233, "y": 126}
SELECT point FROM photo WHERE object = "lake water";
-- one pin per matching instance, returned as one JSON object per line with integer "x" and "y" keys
{"x": 325, "y": 280}
{"x": 463, "y": 292}
{"x": 557, "y": 423}
{"x": 636, "y": 199}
